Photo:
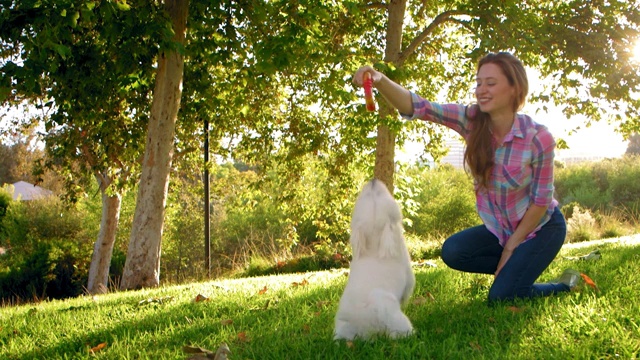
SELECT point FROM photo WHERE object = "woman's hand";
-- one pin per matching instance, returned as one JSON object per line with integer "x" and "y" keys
{"x": 506, "y": 255}
{"x": 358, "y": 77}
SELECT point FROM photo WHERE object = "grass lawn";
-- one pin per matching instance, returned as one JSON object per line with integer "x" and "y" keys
{"x": 291, "y": 317}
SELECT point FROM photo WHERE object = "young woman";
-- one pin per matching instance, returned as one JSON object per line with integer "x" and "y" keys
{"x": 511, "y": 160}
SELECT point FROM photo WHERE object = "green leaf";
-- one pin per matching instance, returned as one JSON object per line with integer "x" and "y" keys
{"x": 62, "y": 50}
{"x": 74, "y": 19}
{"x": 122, "y": 5}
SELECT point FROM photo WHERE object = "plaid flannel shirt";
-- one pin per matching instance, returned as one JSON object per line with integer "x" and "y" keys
{"x": 523, "y": 167}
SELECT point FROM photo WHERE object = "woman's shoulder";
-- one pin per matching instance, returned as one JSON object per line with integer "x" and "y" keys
{"x": 535, "y": 131}
{"x": 528, "y": 124}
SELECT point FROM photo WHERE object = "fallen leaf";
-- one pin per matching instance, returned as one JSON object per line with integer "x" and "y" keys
{"x": 337, "y": 256}
{"x": 322, "y": 304}
{"x": 419, "y": 300}
{"x": 515, "y": 309}
{"x": 226, "y": 322}
{"x": 97, "y": 348}
{"x": 302, "y": 283}
{"x": 350, "y": 344}
{"x": 316, "y": 314}
{"x": 242, "y": 336}
{"x": 589, "y": 281}
{"x": 430, "y": 296}
{"x": 201, "y": 298}
{"x": 280, "y": 264}
{"x": 306, "y": 328}
{"x": 475, "y": 346}
{"x": 263, "y": 290}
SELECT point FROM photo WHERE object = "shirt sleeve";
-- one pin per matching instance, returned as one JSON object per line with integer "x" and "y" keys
{"x": 543, "y": 155}
{"x": 453, "y": 116}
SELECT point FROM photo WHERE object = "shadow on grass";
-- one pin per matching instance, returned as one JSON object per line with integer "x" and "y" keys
{"x": 448, "y": 310}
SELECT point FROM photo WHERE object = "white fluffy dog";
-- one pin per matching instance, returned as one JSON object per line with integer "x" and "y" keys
{"x": 380, "y": 275}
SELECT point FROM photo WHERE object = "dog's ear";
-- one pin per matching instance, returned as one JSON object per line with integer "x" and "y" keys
{"x": 388, "y": 247}
{"x": 357, "y": 243}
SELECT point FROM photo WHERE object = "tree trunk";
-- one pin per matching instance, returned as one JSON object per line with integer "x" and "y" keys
{"x": 385, "y": 154}
{"x": 386, "y": 141}
{"x": 103, "y": 248}
{"x": 142, "y": 267}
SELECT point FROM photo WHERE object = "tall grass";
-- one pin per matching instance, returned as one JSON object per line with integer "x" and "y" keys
{"x": 291, "y": 317}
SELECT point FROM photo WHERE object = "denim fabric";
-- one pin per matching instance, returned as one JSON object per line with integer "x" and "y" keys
{"x": 477, "y": 250}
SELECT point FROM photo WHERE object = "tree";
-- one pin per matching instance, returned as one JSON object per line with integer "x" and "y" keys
{"x": 89, "y": 65}
{"x": 584, "y": 48}
{"x": 634, "y": 145}
{"x": 142, "y": 267}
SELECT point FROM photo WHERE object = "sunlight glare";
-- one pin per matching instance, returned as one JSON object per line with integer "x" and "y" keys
{"x": 636, "y": 51}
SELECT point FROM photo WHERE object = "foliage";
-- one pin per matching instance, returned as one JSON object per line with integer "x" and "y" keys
{"x": 45, "y": 273}
{"x": 580, "y": 225}
{"x": 88, "y": 66}
{"x": 19, "y": 157}
{"x": 260, "y": 213}
{"x": 5, "y": 201}
{"x": 48, "y": 248}
{"x": 607, "y": 185}
{"x": 183, "y": 235}
{"x": 445, "y": 199}
{"x": 291, "y": 317}
{"x": 634, "y": 145}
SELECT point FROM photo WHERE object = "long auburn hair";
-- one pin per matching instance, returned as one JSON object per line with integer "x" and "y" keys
{"x": 479, "y": 152}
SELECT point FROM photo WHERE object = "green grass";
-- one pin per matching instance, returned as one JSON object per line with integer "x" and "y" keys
{"x": 291, "y": 317}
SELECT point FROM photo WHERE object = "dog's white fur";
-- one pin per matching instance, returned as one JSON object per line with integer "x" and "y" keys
{"x": 380, "y": 275}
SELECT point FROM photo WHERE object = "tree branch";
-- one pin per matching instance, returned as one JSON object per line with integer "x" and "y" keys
{"x": 440, "y": 19}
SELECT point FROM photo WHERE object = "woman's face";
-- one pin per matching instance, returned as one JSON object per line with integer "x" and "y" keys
{"x": 493, "y": 91}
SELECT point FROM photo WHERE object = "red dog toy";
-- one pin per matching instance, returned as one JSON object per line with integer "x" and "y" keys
{"x": 368, "y": 91}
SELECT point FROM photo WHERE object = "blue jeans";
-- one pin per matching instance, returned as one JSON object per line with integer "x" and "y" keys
{"x": 477, "y": 250}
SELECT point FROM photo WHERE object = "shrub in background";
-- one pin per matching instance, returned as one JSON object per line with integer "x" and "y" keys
{"x": 580, "y": 226}
{"x": 48, "y": 249}
{"x": 624, "y": 184}
{"x": 579, "y": 183}
{"x": 445, "y": 201}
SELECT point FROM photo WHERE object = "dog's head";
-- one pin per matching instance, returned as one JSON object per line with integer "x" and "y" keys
{"x": 376, "y": 223}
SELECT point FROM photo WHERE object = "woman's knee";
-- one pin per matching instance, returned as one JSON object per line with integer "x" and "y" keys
{"x": 450, "y": 252}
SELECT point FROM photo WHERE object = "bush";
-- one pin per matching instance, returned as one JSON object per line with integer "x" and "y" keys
{"x": 624, "y": 184}
{"x": 582, "y": 184}
{"x": 27, "y": 281}
{"x": 580, "y": 226}
{"x": 48, "y": 249}
{"x": 42, "y": 275}
{"x": 445, "y": 201}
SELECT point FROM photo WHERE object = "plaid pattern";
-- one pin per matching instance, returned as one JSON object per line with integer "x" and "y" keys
{"x": 523, "y": 170}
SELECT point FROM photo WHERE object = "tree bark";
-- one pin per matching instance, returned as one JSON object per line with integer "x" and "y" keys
{"x": 103, "y": 248}
{"x": 386, "y": 140}
{"x": 142, "y": 266}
